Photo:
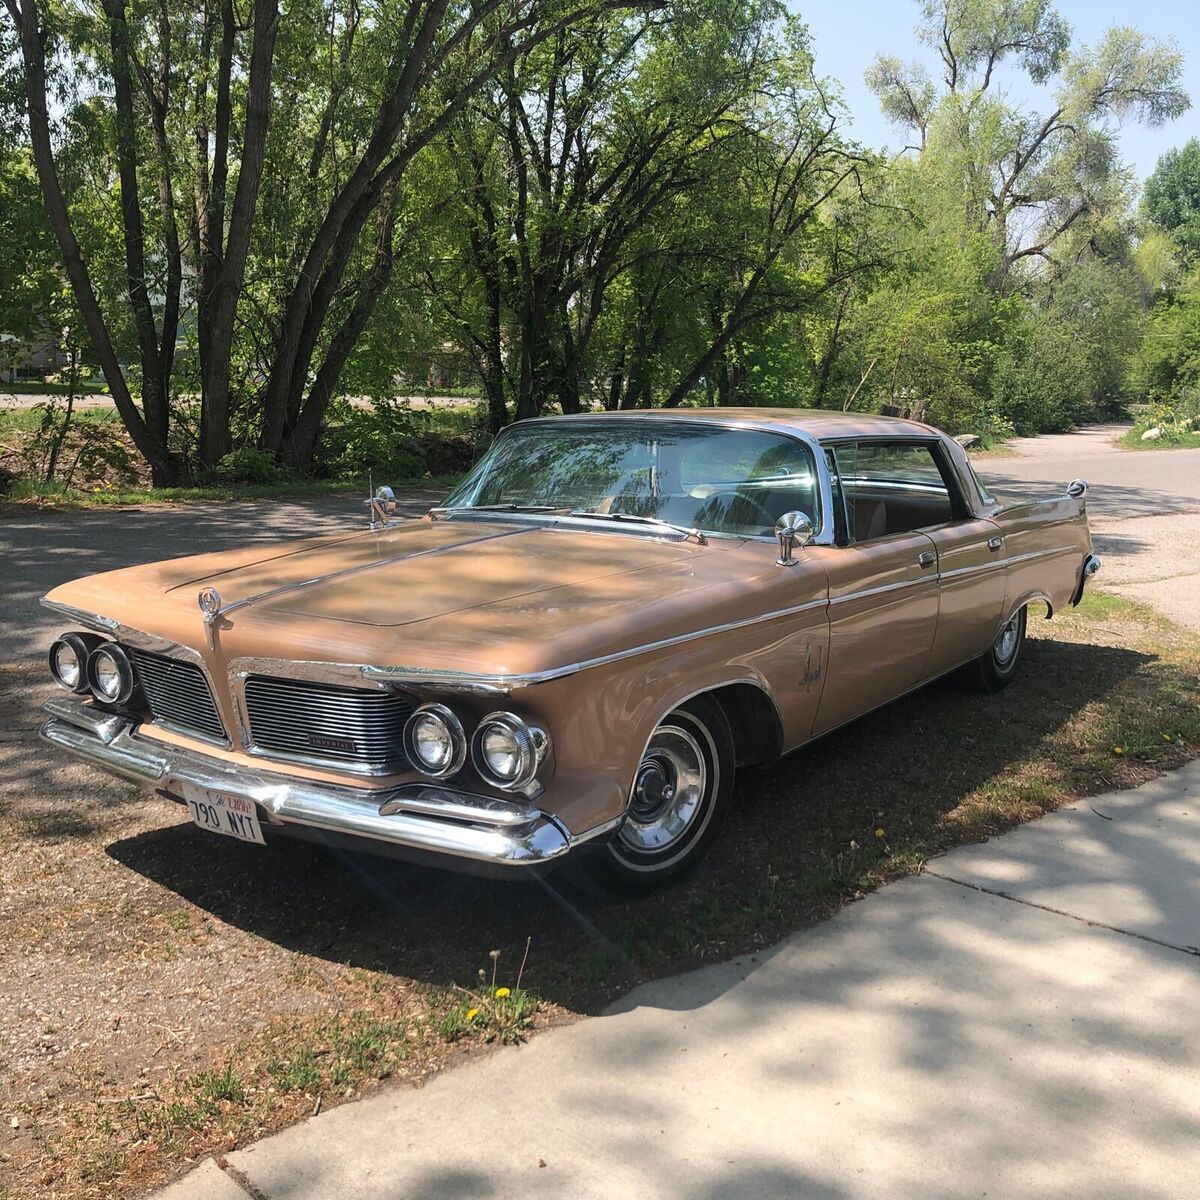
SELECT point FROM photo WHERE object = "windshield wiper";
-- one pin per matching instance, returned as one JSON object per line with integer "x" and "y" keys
{"x": 637, "y": 519}
{"x": 512, "y": 507}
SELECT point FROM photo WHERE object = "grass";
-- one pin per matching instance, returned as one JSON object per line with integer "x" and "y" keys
{"x": 371, "y": 970}
{"x": 1184, "y": 439}
{"x": 38, "y": 387}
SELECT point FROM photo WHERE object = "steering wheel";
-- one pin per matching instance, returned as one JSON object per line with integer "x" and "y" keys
{"x": 739, "y": 497}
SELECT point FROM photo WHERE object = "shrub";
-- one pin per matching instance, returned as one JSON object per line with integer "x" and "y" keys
{"x": 248, "y": 465}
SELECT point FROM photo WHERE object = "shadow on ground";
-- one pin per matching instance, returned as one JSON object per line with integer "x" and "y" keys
{"x": 786, "y": 854}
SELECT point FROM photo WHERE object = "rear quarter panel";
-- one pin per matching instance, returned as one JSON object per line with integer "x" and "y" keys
{"x": 1045, "y": 544}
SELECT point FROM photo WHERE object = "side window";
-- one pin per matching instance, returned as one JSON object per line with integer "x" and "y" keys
{"x": 892, "y": 487}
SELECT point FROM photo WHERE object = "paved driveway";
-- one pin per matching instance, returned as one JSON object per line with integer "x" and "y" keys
{"x": 1144, "y": 507}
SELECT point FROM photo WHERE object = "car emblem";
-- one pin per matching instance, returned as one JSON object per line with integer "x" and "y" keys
{"x": 322, "y": 741}
{"x": 210, "y": 602}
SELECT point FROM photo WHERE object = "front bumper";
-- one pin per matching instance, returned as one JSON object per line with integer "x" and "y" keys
{"x": 419, "y": 817}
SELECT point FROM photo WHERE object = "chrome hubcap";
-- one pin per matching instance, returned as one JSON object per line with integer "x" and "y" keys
{"x": 667, "y": 791}
{"x": 1005, "y": 645}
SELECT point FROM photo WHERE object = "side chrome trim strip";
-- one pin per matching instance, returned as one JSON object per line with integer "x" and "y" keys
{"x": 900, "y": 584}
{"x": 491, "y": 683}
{"x": 88, "y": 620}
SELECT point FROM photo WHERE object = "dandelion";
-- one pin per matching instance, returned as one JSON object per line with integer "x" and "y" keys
{"x": 1166, "y": 737}
{"x": 1118, "y": 749}
{"x": 472, "y": 1013}
{"x": 502, "y": 992}
{"x": 881, "y": 833}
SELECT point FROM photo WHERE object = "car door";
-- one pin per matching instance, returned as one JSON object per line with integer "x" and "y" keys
{"x": 883, "y": 589}
{"x": 971, "y": 585}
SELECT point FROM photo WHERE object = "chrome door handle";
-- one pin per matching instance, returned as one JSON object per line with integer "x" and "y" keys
{"x": 995, "y": 543}
{"x": 927, "y": 558}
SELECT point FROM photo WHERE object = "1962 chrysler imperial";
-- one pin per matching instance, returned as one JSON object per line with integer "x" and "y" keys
{"x": 572, "y": 654}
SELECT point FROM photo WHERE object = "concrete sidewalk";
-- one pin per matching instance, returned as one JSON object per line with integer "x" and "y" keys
{"x": 1021, "y": 1021}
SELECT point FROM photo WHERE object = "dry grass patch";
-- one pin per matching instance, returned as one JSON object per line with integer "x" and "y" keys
{"x": 167, "y": 995}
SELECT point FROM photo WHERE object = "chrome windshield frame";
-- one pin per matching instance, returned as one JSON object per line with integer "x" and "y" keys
{"x": 824, "y": 536}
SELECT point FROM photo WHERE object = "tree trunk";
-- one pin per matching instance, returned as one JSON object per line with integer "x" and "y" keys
{"x": 163, "y": 468}
{"x": 225, "y": 279}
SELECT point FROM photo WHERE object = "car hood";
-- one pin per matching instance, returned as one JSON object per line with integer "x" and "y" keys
{"x": 466, "y": 595}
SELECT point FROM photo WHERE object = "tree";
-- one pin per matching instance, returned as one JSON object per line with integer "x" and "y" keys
{"x": 1037, "y": 182}
{"x": 1171, "y": 198}
{"x": 189, "y": 100}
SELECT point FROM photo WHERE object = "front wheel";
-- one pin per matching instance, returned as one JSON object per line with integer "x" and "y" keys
{"x": 681, "y": 791}
{"x": 995, "y": 668}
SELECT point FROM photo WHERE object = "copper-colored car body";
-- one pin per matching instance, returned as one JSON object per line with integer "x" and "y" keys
{"x": 589, "y": 631}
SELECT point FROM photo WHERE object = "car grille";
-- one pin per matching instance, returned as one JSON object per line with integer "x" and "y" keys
{"x": 334, "y": 724}
{"x": 178, "y": 694}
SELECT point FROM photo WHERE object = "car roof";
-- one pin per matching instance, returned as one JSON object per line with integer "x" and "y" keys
{"x": 815, "y": 422}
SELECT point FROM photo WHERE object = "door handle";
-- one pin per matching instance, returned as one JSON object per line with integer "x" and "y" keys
{"x": 994, "y": 543}
{"x": 927, "y": 558}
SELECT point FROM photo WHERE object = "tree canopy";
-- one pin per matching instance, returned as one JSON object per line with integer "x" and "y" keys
{"x": 248, "y": 213}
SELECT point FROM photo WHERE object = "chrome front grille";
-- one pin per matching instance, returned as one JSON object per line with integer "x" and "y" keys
{"x": 178, "y": 694}
{"x": 320, "y": 722}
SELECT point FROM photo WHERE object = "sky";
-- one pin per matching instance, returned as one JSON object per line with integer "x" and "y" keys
{"x": 847, "y": 34}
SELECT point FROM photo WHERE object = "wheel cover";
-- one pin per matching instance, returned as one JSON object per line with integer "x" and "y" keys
{"x": 668, "y": 791}
{"x": 1007, "y": 640}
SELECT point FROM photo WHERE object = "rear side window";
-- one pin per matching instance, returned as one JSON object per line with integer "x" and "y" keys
{"x": 892, "y": 487}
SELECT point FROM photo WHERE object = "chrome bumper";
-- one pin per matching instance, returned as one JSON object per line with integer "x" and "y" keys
{"x": 1091, "y": 564}
{"x": 420, "y": 817}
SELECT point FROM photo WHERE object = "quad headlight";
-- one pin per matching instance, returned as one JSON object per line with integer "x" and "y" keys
{"x": 68, "y": 660}
{"x": 507, "y": 751}
{"x": 435, "y": 742}
{"x": 110, "y": 674}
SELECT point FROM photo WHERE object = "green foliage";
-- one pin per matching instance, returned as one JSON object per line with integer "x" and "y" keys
{"x": 648, "y": 206}
{"x": 247, "y": 465}
{"x": 1171, "y": 200}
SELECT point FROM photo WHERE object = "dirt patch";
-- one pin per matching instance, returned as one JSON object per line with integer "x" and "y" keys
{"x": 168, "y": 995}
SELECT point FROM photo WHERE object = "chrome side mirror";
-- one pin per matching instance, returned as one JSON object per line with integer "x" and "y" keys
{"x": 792, "y": 529}
{"x": 1077, "y": 488}
{"x": 380, "y": 506}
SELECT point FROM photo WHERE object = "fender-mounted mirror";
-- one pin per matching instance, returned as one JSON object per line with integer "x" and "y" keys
{"x": 792, "y": 529}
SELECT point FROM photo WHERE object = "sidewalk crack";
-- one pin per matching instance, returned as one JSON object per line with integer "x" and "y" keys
{"x": 241, "y": 1179}
{"x": 1058, "y": 912}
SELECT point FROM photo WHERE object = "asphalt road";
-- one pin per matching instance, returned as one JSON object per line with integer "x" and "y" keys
{"x": 1144, "y": 507}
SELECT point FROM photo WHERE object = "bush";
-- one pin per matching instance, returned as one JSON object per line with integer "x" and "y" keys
{"x": 393, "y": 441}
{"x": 1177, "y": 418}
{"x": 247, "y": 465}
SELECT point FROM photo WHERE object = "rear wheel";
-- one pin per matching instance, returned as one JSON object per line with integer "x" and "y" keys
{"x": 995, "y": 668}
{"x": 681, "y": 791}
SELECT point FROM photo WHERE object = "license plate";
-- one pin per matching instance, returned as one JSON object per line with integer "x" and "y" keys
{"x": 223, "y": 812}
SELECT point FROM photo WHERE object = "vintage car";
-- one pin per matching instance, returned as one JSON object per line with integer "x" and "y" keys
{"x": 568, "y": 658}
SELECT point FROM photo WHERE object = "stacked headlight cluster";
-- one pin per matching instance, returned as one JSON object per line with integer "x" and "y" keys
{"x": 505, "y": 749}
{"x": 83, "y": 662}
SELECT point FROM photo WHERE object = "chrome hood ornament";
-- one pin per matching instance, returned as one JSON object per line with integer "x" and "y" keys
{"x": 209, "y": 600}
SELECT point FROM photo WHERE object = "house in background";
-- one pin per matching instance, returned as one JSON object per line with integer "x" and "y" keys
{"x": 21, "y": 360}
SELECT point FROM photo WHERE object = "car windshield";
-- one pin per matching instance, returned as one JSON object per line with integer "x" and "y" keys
{"x": 706, "y": 477}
